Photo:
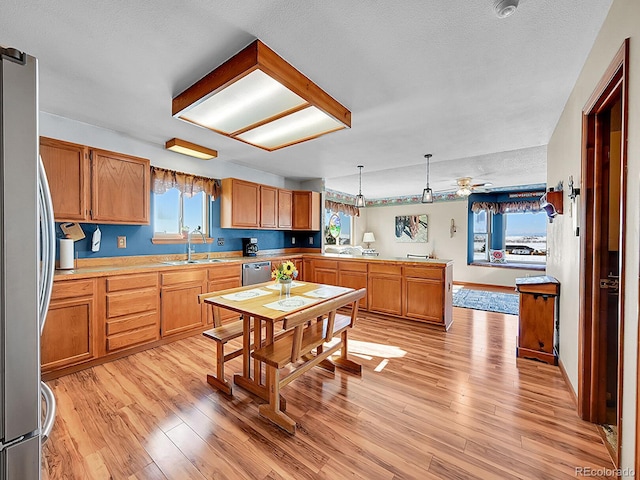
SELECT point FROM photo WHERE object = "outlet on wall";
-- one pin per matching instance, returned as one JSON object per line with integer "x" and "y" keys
{"x": 220, "y": 242}
{"x": 310, "y": 240}
{"x": 293, "y": 240}
{"x": 122, "y": 242}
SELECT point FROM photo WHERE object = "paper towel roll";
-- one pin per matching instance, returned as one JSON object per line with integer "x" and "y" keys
{"x": 66, "y": 254}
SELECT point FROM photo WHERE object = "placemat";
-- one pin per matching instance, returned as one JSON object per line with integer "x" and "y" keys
{"x": 326, "y": 292}
{"x": 291, "y": 303}
{"x": 246, "y": 294}
{"x": 276, "y": 286}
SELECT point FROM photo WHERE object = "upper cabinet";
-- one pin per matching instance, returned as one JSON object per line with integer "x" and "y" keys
{"x": 285, "y": 209}
{"x": 306, "y": 210}
{"x": 239, "y": 204}
{"x": 67, "y": 167}
{"x": 96, "y": 186}
{"x": 120, "y": 188}
{"x": 251, "y": 205}
{"x": 268, "y": 207}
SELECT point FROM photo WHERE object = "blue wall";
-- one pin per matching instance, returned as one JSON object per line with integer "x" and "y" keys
{"x": 139, "y": 239}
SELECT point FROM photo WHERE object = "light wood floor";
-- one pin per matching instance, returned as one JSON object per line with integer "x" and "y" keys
{"x": 428, "y": 405}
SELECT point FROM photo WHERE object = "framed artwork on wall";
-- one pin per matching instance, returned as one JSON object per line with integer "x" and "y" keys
{"x": 411, "y": 228}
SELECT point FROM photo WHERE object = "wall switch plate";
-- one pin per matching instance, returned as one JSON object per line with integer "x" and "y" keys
{"x": 293, "y": 240}
{"x": 122, "y": 242}
{"x": 220, "y": 242}
{"x": 310, "y": 240}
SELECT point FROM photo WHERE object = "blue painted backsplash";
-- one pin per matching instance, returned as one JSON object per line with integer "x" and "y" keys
{"x": 139, "y": 239}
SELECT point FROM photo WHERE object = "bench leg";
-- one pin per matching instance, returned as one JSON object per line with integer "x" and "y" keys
{"x": 218, "y": 381}
{"x": 343, "y": 362}
{"x": 325, "y": 364}
{"x": 272, "y": 410}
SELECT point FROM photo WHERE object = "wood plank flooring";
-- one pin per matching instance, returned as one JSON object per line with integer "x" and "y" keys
{"x": 429, "y": 405}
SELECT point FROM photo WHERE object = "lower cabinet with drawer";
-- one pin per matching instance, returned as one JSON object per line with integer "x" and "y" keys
{"x": 425, "y": 294}
{"x": 69, "y": 333}
{"x": 131, "y": 311}
{"x": 179, "y": 307}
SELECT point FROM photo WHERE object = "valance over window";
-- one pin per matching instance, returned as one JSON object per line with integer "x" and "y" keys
{"x": 506, "y": 207}
{"x": 188, "y": 184}
{"x": 342, "y": 208}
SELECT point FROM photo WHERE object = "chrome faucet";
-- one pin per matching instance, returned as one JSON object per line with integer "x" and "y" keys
{"x": 189, "y": 248}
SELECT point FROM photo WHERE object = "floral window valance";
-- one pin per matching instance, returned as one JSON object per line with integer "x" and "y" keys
{"x": 506, "y": 207}
{"x": 163, "y": 180}
{"x": 342, "y": 208}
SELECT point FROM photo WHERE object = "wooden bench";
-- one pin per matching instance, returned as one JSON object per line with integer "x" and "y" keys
{"x": 306, "y": 331}
{"x": 222, "y": 334}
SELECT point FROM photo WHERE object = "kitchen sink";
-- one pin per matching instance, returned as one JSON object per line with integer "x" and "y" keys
{"x": 194, "y": 262}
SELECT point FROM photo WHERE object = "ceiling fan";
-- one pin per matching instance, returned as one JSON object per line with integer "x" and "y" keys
{"x": 466, "y": 188}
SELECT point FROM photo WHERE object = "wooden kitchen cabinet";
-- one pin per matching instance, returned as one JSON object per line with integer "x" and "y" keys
{"x": 69, "y": 333}
{"x": 120, "y": 191}
{"x": 132, "y": 311}
{"x": 179, "y": 307}
{"x": 268, "y": 207}
{"x": 306, "y": 211}
{"x": 67, "y": 167}
{"x": 425, "y": 298}
{"x": 239, "y": 204}
{"x": 325, "y": 271}
{"x": 537, "y": 318}
{"x": 285, "y": 209}
{"x": 354, "y": 275}
{"x": 384, "y": 288}
{"x": 222, "y": 277}
{"x": 95, "y": 186}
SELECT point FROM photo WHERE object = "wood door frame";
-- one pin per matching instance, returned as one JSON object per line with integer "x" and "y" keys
{"x": 591, "y": 364}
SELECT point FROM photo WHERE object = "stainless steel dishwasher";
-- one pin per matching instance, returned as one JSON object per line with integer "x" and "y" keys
{"x": 256, "y": 272}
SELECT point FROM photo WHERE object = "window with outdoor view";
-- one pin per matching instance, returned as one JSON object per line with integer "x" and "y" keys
{"x": 176, "y": 213}
{"x": 481, "y": 236}
{"x": 337, "y": 228}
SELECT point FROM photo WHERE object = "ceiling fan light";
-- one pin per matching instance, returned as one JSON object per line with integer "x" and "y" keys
{"x": 427, "y": 195}
{"x": 463, "y": 191}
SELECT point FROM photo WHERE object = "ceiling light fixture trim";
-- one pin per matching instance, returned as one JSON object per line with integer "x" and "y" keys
{"x": 505, "y": 8}
{"x": 187, "y": 148}
{"x": 427, "y": 193}
{"x": 250, "y": 97}
{"x": 360, "y": 198}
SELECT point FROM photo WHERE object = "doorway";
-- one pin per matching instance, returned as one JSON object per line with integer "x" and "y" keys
{"x": 602, "y": 249}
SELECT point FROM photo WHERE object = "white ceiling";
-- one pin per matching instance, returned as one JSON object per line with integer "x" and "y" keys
{"x": 481, "y": 94}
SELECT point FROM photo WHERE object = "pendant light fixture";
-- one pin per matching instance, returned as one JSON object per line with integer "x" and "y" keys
{"x": 427, "y": 193}
{"x": 360, "y": 197}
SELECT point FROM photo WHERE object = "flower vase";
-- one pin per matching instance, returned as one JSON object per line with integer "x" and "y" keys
{"x": 285, "y": 287}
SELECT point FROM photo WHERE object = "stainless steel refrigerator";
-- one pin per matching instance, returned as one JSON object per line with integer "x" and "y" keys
{"x": 27, "y": 253}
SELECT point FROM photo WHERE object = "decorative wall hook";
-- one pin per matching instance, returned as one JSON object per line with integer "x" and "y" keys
{"x": 453, "y": 228}
{"x": 573, "y": 192}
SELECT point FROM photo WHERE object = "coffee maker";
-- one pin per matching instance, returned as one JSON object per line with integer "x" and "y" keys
{"x": 249, "y": 247}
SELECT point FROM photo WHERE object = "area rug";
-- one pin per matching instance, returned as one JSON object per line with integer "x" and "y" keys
{"x": 487, "y": 301}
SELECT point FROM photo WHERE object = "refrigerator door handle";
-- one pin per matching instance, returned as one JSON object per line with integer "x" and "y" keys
{"x": 50, "y": 402}
{"x": 48, "y": 247}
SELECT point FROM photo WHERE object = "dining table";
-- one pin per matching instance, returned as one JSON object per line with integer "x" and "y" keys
{"x": 262, "y": 306}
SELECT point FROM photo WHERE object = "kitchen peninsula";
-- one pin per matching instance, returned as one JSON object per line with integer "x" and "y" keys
{"x": 118, "y": 306}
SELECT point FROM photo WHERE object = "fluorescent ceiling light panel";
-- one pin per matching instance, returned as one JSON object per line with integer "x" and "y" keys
{"x": 191, "y": 149}
{"x": 258, "y": 98}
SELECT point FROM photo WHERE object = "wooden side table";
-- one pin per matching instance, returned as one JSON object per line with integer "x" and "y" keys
{"x": 537, "y": 318}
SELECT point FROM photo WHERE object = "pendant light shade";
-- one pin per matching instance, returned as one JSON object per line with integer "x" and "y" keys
{"x": 427, "y": 193}
{"x": 360, "y": 197}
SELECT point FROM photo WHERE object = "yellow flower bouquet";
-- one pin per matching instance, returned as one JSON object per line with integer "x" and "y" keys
{"x": 286, "y": 271}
